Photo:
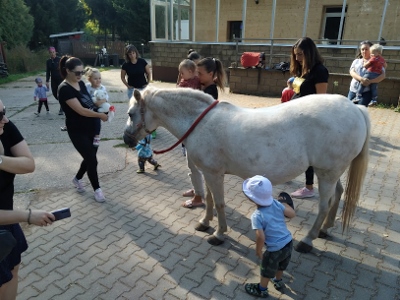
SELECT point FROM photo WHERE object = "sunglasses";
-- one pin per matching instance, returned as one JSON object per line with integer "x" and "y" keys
{"x": 78, "y": 73}
{"x": 2, "y": 113}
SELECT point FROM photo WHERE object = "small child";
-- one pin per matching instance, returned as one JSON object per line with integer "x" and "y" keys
{"x": 145, "y": 153}
{"x": 188, "y": 78}
{"x": 212, "y": 76}
{"x": 373, "y": 68}
{"x": 269, "y": 223}
{"x": 94, "y": 77}
{"x": 40, "y": 93}
{"x": 288, "y": 92}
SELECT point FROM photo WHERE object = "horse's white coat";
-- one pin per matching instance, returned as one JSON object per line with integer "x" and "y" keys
{"x": 324, "y": 131}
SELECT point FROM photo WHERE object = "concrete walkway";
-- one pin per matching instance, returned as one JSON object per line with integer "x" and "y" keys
{"x": 141, "y": 243}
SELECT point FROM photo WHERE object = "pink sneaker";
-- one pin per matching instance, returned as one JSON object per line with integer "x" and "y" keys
{"x": 303, "y": 193}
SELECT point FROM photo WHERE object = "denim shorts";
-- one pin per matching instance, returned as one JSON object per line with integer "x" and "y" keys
{"x": 276, "y": 261}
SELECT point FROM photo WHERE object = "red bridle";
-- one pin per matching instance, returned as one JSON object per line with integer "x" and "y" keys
{"x": 195, "y": 123}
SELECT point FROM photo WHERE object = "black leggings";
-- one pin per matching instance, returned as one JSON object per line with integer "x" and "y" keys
{"x": 83, "y": 143}
{"x": 41, "y": 104}
{"x": 310, "y": 176}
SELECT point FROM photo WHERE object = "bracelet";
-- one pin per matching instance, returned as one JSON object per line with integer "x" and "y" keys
{"x": 29, "y": 216}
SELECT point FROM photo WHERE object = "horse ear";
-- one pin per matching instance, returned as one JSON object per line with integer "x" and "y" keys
{"x": 137, "y": 95}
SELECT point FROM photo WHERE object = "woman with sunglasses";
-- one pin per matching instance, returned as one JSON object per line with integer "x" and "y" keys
{"x": 15, "y": 158}
{"x": 81, "y": 117}
{"x": 357, "y": 72}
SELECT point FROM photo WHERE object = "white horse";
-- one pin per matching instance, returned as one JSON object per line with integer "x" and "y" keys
{"x": 327, "y": 132}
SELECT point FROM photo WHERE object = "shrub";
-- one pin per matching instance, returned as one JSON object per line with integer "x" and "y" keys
{"x": 22, "y": 60}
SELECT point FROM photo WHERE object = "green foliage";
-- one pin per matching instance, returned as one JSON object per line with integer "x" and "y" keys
{"x": 52, "y": 16}
{"x": 20, "y": 60}
{"x": 16, "y": 23}
{"x": 134, "y": 16}
{"x": 130, "y": 19}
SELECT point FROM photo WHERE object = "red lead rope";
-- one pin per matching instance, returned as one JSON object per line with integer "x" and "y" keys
{"x": 196, "y": 122}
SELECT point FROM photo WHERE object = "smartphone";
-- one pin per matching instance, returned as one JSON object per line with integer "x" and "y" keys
{"x": 62, "y": 213}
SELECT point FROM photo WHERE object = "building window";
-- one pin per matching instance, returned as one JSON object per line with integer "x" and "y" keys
{"x": 331, "y": 24}
{"x": 170, "y": 19}
{"x": 234, "y": 30}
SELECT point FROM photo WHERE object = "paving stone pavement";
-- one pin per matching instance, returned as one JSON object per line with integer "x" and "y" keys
{"x": 141, "y": 244}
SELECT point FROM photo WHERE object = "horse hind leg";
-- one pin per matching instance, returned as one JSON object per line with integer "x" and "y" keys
{"x": 204, "y": 222}
{"x": 330, "y": 219}
{"x": 326, "y": 190}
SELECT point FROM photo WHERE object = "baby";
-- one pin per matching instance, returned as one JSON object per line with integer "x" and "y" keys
{"x": 374, "y": 67}
{"x": 188, "y": 75}
{"x": 288, "y": 92}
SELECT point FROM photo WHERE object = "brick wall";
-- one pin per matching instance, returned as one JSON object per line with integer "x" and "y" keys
{"x": 363, "y": 19}
{"x": 166, "y": 56}
{"x": 272, "y": 82}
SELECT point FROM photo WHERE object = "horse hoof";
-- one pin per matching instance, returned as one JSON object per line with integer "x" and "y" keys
{"x": 303, "y": 247}
{"x": 323, "y": 235}
{"x": 201, "y": 227}
{"x": 214, "y": 241}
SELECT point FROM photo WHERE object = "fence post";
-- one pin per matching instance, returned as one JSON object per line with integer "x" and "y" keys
{"x": 237, "y": 51}
{"x": 270, "y": 52}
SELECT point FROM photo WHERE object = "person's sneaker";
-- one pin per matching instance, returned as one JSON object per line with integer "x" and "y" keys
{"x": 355, "y": 101}
{"x": 156, "y": 167}
{"x": 140, "y": 171}
{"x": 60, "y": 113}
{"x": 78, "y": 184}
{"x": 278, "y": 284}
{"x": 98, "y": 195}
{"x": 96, "y": 141}
{"x": 372, "y": 103}
{"x": 254, "y": 290}
{"x": 303, "y": 193}
{"x": 36, "y": 113}
{"x": 64, "y": 128}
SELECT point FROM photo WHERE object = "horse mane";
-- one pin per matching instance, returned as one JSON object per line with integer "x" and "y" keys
{"x": 178, "y": 96}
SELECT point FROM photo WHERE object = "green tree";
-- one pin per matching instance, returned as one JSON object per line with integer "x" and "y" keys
{"x": 45, "y": 21}
{"x": 134, "y": 19}
{"x": 54, "y": 16}
{"x": 104, "y": 14}
{"x": 16, "y": 24}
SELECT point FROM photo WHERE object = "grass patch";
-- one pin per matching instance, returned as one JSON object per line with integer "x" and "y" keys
{"x": 15, "y": 77}
{"x": 122, "y": 145}
{"x": 386, "y": 106}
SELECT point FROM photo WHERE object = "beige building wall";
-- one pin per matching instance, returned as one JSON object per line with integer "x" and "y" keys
{"x": 363, "y": 19}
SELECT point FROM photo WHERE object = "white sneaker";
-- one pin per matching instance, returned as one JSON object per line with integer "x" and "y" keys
{"x": 98, "y": 196}
{"x": 78, "y": 184}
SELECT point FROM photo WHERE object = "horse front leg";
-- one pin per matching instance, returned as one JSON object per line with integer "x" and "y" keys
{"x": 330, "y": 219}
{"x": 326, "y": 190}
{"x": 215, "y": 186}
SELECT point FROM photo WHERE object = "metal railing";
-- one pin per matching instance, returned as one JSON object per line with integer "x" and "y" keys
{"x": 271, "y": 43}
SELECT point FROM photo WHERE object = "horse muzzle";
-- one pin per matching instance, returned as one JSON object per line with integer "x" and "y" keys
{"x": 130, "y": 140}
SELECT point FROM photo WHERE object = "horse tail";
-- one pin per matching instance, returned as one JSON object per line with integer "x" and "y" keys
{"x": 356, "y": 175}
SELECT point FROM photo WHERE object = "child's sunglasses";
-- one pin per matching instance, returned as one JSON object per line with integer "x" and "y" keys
{"x": 2, "y": 113}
